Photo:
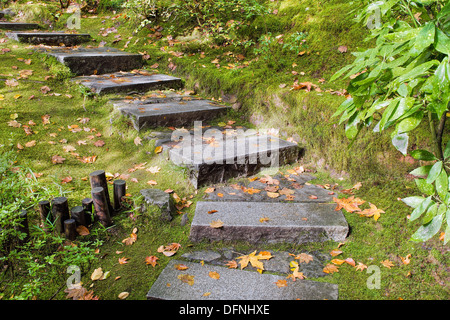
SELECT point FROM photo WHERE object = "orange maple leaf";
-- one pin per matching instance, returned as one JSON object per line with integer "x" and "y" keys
{"x": 151, "y": 260}
{"x": 350, "y": 204}
{"x": 372, "y": 211}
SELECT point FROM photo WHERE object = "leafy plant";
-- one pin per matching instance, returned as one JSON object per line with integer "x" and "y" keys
{"x": 400, "y": 83}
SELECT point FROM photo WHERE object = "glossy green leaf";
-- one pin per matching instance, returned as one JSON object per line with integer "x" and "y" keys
{"x": 442, "y": 43}
{"x": 424, "y": 155}
{"x": 424, "y": 39}
{"x": 442, "y": 184}
{"x": 431, "y": 213}
{"x": 421, "y": 208}
{"x": 434, "y": 172}
{"x": 424, "y": 187}
{"x": 413, "y": 201}
{"x": 447, "y": 150}
{"x": 428, "y": 230}
{"x": 422, "y": 171}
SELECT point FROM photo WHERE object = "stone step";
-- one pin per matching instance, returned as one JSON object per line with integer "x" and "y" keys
{"x": 214, "y": 157}
{"x": 275, "y": 222}
{"x": 50, "y": 38}
{"x": 95, "y": 60}
{"x": 6, "y": 25}
{"x": 233, "y": 284}
{"x": 171, "y": 113}
{"x": 140, "y": 81}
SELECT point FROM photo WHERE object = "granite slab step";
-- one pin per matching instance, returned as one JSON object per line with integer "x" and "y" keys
{"x": 170, "y": 113}
{"x": 217, "y": 157}
{"x": 233, "y": 284}
{"x": 6, "y": 25}
{"x": 95, "y": 60}
{"x": 49, "y": 38}
{"x": 129, "y": 81}
{"x": 275, "y": 222}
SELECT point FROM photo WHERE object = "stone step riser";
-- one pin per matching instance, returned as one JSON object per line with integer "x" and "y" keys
{"x": 49, "y": 38}
{"x": 18, "y": 26}
{"x": 233, "y": 284}
{"x": 175, "y": 114}
{"x": 281, "y": 222}
{"x": 96, "y": 60}
{"x": 125, "y": 83}
{"x": 233, "y": 157}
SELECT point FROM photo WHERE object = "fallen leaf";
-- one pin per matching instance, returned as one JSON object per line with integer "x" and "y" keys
{"x": 152, "y": 182}
{"x": 296, "y": 274}
{"x": 330, "y": 268}
{"x": 11, "y": 83}
{"x": 30, "y": 144}
{"x": 45, "y": 89}
{"x": 186, "y": 278}
{"x": 66, "y": 179}
{"x": 387, "y": 263}
{"x": 214, "y": 275}
{"x": 342, "y": 49}
{"x": 123, "y": 295}
{"x": 361, "y": 266}
{"x": 97, "y": 274}
{"x": 281, "y": 283}
{"x": 130, "y": 240}
{"x": 151, "y": 260}
{"x": 154, "y": 169}
{"x": 209, "y": 190}
{"x": 372, "y": 211}
{"x": 406, "y": 260}
{"x": 216, "y": 224}
{"x": 158, "y": 149}
{"x": 232, "y": 264}
{"x": 350, "y": 204}
{"x": 99, "y": 143}
{"x": 181, "y": 266}
{"x": 304, "y": 258}
{"x": 335, "y": 252}
{"x": 169, "y": 250}
{"x": 82, "y": 230}
{"x": 138, "y": 141}
{"x": 123, "y": 260}
{"x": 273, "y": 194}
{"x": 57, "y": 159}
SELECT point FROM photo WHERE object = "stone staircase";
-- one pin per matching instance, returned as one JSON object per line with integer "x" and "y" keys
{"x": 301, "y": 213}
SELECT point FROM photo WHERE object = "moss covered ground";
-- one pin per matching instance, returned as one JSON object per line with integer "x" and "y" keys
{"x": 261, "y": 85}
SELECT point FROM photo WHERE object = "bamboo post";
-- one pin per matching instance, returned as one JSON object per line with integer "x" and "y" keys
{"x": 98, "y": 179}
{"x": 70, "y": 229}
{"x": 77, "y": 213}
{"x": 45, "y": 214}
{"x": 119, "y": 192}
{"x": 101, "y": 206}
{"x": 60, "y": 211}
{"x": 86, "y": 203}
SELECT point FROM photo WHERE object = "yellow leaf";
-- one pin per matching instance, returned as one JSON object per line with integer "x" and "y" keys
{"x": 97, "y": 274}
{"x": 387, "y": 263}
{"x": 216, "y": 224}
{"x": 123, "y": 295}
{"x": 214, "y": 275}
{"x": 158, "y": 149}
{"x": 186, "y": 278}
{"x": 406, "y": 259}
{"x": 330, "y": 268}
{"x": 281, "y": 283}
